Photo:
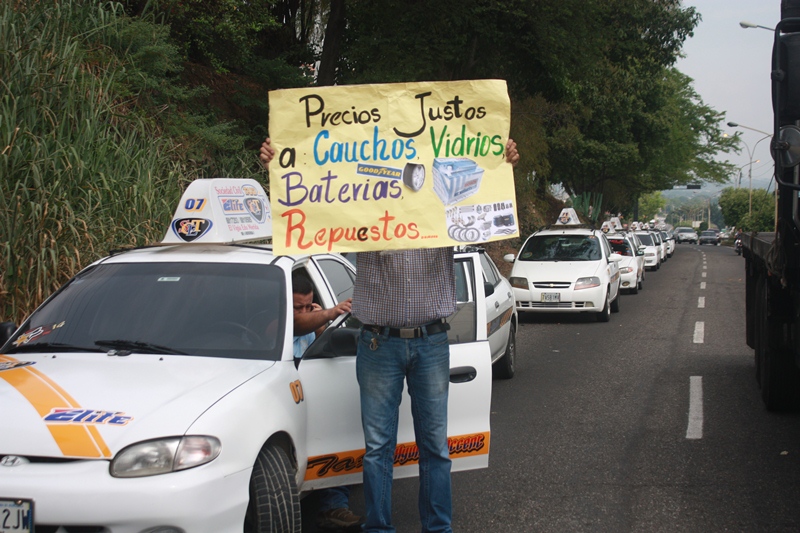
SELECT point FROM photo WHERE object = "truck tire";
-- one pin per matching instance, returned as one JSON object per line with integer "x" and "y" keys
{"x": 778, "y": 375}
{"x": 504, "y": 367}
{"x": 274, "y": 500}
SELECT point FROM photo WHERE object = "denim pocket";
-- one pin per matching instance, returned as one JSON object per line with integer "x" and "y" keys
{"x": 438, "y": 339}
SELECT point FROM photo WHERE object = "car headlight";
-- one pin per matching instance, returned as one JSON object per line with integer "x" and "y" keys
{"x": 626, "y": 270}
{"x": 161, "y": 456}
{"x": 649, "y": 254}
{"x": 587, "y": 283}
{"x": 519, "y": 283}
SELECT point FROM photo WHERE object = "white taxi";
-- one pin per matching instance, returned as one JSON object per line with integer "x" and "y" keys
{"x": 631, "y": 266}
{"x": 566, "y": 268}
{"x": 652, "y": 250}
{"x": 157, "y": 390}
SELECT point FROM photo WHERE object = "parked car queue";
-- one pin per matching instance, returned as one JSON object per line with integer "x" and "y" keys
{"x": 571, "y": 267}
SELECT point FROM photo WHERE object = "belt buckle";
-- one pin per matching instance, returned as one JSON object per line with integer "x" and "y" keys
{"x": 407, "y": 333}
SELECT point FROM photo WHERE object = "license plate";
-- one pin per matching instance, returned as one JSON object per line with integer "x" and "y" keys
{"x": 551, "y": 297}
{"x": 16, "y": 515}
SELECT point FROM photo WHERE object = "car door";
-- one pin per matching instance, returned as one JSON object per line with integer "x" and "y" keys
{"x": 613, "y": 269}
{"x": 335, "y": 439}
{"x": 499, "y": 307}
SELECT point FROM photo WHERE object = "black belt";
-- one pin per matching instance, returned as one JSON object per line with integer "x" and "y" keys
{"x": 434, "y": 327}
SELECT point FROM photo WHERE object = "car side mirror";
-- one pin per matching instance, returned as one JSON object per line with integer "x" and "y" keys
{"x": 509, "y": 258}
{"x": 488, "y": 288}
{"x": 615, "y": 257}
{"x": 6, "y": 330}
{"x": 640, "y": 252}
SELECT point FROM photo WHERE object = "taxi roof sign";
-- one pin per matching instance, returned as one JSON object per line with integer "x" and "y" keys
{"x": 608, "y": 227}
{"x": 221, "y": 211}
{"x": 568, "y": 217}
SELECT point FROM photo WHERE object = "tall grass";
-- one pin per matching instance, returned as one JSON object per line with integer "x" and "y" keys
{"x": 80, "y": 171}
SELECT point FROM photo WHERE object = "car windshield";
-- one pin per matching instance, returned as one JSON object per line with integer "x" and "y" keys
{"x": 709, "y": 234}
{"x": 206, "y": 309}
{"x": 620, "y": 246}
{"x": 646, "y": 239}
{"x": 561, "y": 248}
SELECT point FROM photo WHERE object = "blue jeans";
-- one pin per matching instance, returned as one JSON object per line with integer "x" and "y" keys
{"x": 334, "y": 498}
{"x": 382, "y": 365}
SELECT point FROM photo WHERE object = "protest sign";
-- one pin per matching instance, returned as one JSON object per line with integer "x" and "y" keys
{"x": 390, "y": 166}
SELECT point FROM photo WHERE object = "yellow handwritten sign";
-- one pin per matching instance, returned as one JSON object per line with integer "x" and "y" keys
{"x": 390, "y": 166}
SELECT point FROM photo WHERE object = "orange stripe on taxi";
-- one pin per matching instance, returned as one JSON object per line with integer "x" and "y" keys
{"x": 341, "y": 463}
{"x": 45, "y": 395}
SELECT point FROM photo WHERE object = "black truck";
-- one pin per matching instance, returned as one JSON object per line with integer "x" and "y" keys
{"x": 773, "y": 259}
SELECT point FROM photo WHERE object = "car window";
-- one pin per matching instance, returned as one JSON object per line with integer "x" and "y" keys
{"x": 207, "y": 309}
{"x": 463, "y": 321}
{"x": 339, "y": 276}
{"x": 561, "y": 248}
{"x": 646, "y": 239}
{"x": 490, "y": 273}
{"x": 620, "y": 246}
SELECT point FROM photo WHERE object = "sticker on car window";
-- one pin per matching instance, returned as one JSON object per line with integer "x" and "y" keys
{"x": 35, "y": 333}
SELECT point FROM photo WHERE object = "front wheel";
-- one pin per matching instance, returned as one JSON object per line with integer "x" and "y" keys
{"x": 274, "y": 500}
{"x": 605, "y": 314}
{"x": 615, "y": 303}
{"x": 504, "y": 367}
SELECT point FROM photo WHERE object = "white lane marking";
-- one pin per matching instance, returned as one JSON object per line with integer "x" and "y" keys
{"x": 695, "y": 428}
{"x": 699, "y": 332}
{"x": 701, "y": 302}
{"x": 702, "y": 285}
{"x": 703, "y": 274}
{"x": 704, "y": 266}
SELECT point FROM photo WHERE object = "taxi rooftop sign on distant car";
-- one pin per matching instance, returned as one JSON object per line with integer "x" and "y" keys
{"x": 221, "y": 211}
{"x": 568, "y": 217}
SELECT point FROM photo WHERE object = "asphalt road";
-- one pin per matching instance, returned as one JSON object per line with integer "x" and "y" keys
{"x": 651, "y": 422}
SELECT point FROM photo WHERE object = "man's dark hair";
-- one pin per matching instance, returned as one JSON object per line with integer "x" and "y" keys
{"x": 301, "y": 284}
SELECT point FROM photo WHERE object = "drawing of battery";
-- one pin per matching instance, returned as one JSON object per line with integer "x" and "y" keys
{"x": 455, "y": 178}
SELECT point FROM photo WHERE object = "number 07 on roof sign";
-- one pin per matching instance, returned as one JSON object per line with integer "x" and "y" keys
{"x": 390, "y": 166}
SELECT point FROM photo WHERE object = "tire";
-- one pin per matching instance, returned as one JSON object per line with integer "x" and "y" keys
{"x": 504, "y": 367}
{"x": 274, "y": 499}
{"x": 605, "y": 314}
{"x": 615, "y": 303}
{"x": 635, "y": 289}
{"x": 777, "y": 373}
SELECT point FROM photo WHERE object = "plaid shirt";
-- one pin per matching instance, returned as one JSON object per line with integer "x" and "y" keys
{"x": 405, "y": 288}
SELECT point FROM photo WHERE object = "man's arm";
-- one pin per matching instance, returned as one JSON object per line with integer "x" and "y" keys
{"x": 317, "y": 319}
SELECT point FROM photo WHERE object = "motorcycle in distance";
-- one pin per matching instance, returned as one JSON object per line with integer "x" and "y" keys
{"x": 737, "y": 245}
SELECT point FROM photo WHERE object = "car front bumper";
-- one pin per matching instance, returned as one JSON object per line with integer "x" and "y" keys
{"x": 569, "y": 300}
{"x": 83, "y": 493}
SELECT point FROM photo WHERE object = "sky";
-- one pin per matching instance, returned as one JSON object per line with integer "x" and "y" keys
{"x": 730, "y": 66}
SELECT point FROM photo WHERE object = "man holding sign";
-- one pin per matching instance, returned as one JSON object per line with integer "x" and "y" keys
{"x": 372, "y": 195}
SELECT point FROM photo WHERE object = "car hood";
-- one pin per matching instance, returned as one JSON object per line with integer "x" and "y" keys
{"x": 92, "y": 405}
{"x": 557, "y": 270}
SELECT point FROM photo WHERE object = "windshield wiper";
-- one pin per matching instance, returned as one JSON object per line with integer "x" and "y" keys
{"x": 138, "y": 346}
{"x": 52, "y": 347}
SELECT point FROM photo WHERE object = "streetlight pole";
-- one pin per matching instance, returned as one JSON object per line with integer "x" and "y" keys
{"x": 750, "y": 153}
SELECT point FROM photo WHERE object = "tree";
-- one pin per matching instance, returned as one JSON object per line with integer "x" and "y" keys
{"x": 650, "y": 205}
{"x": 736, "y": 209}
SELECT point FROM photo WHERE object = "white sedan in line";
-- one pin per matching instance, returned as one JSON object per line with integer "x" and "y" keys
{"x": 566, "y": 268}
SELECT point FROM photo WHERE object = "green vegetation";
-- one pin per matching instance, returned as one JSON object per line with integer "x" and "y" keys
{"x": 739, "y": 210}
{"x": 107, "y": 109}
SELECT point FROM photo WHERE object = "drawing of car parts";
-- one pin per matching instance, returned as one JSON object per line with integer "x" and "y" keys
{"x": 414, "y": 176}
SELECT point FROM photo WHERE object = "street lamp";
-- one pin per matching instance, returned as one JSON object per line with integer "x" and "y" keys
{"x": 744, "y": 24}
{"x": 750, "y": 155}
